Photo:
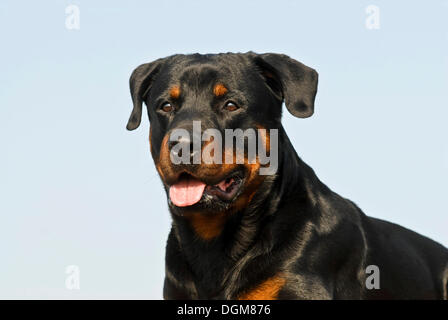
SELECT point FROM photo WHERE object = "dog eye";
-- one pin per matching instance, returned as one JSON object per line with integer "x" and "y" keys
{"x": 231, "y": 106}
{"x": 167, "y": 107}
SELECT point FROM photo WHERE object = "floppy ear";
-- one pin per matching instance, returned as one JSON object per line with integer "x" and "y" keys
{"x": 140, "y": 83}
{"x": 292, "y": 81}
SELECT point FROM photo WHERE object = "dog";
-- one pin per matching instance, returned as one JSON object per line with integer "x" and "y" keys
{"x": 237, "y": 234}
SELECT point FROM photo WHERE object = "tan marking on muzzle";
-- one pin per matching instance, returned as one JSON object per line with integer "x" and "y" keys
{"x": 205, "y": 225}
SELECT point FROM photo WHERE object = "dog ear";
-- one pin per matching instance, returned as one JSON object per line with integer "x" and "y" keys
{"x": 291, "y": 81}
{"x": 140, "y": 83}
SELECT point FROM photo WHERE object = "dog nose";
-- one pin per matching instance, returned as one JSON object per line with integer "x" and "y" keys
{"x": 182, "y": 143}
{"x": 193, "y": 146}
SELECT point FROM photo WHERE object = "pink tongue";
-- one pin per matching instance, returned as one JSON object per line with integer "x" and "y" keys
{"x": 186, "y": 192}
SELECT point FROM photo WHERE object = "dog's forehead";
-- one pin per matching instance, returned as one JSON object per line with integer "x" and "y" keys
{"x": 195, "y": 68}
{"x": 235, "y": 60}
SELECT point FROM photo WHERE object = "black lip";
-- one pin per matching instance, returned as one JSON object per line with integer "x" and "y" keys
{"x": 226, "y": 195}
{"x": 237, "y": 174}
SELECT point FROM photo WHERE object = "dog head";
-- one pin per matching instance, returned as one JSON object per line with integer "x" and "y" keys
{"x": 192, "y": 99}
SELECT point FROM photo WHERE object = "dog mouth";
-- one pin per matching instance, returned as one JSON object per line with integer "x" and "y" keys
{"x": 189, "y": 190}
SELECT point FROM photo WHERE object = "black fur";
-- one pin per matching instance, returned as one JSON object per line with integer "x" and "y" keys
{"x": 320, "y": 241}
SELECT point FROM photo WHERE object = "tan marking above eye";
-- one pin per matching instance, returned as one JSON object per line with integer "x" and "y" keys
{"x": 219, "y": 90}
{"x": 175, "y": 92}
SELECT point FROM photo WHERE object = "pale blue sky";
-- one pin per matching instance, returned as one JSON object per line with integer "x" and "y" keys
{"x": 78, "y": 189}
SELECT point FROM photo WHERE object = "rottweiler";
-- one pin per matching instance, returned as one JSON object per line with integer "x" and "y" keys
{"x": 237, "y": 234}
